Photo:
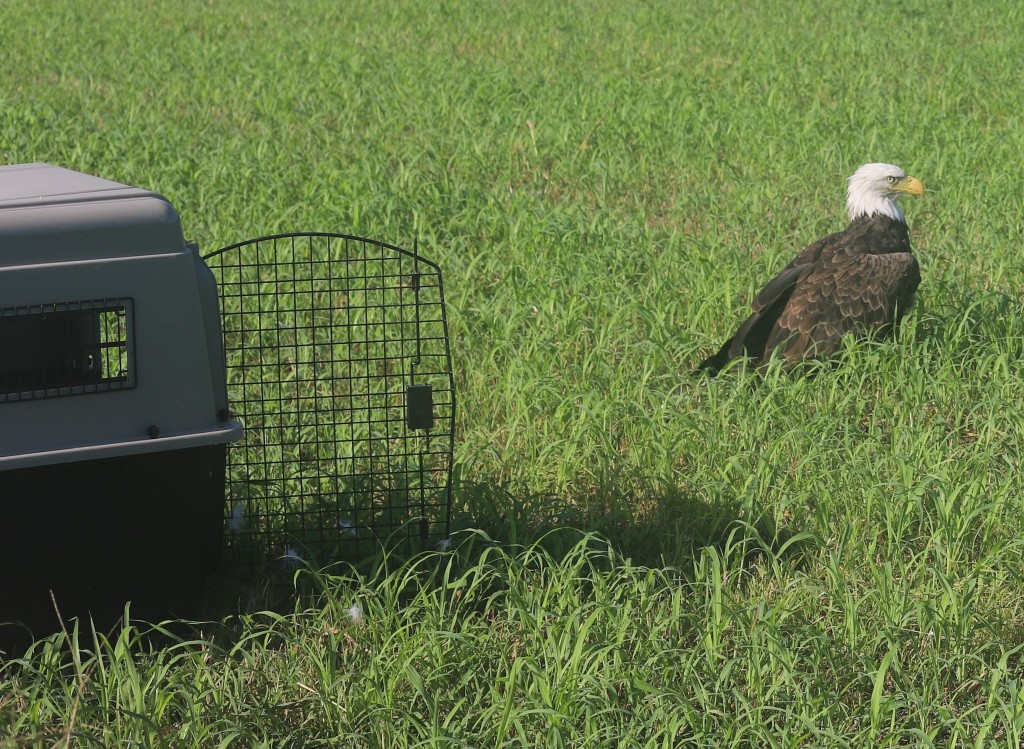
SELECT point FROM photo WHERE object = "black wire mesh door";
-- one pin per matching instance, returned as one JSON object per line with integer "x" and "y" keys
{"x": 338, "y": 366}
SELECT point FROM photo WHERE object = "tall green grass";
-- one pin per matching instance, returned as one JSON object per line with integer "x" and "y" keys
{"x": 751, "y": 648}
{"x": 831, "y": 561}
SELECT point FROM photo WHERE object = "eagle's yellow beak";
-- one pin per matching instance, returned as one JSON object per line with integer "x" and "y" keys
{"x": 909, "y": 184}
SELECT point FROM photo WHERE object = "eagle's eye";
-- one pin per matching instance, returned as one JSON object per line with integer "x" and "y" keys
{"x": 891, "y": 180}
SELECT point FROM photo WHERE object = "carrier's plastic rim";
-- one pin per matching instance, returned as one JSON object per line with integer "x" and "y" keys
{"x": 229, "y": 432}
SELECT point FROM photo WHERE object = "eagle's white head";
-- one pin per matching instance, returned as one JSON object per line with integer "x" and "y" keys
{"x": 876, "y": 188}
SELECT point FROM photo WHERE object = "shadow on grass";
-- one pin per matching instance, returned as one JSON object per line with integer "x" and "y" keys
{"x": 653, "y": 524}
{"x": 656, "y": 525}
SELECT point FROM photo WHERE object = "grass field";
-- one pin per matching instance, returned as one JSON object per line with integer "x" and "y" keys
{"x": 648, "y": 559}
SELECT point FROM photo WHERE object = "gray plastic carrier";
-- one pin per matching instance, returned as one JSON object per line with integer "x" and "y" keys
{"x": 114, "y": 417}
{"x": 80, "y": 253}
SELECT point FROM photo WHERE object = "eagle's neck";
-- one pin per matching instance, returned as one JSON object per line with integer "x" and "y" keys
{"x": 862, "y": 202}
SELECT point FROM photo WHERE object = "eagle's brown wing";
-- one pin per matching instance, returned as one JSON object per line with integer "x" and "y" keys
{"x": 808, "y": 256}
{"x": 752, "y": 336}
{"x": 846, "y": 292}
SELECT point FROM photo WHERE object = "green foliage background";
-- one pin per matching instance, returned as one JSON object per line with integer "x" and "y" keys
{"x": 604, "y": 185}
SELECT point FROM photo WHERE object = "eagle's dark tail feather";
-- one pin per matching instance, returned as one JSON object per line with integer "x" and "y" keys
{"x": 713, "y": 364}
{"x": 752, "y": 337}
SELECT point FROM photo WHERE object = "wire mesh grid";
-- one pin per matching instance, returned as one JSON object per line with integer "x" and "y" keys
{"x": 338, "y": 366}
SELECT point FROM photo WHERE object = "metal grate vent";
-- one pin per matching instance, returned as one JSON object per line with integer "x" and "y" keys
{"x": 338, "y": 366}
{"x": 65, "y": 348}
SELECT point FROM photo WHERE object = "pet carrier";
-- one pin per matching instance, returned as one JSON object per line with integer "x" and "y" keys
{"x": 113, "y": 404}
{"x": 295, "y": 391}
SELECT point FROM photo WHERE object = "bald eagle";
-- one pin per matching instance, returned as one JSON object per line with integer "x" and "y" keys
{"x": 858, "y": 281}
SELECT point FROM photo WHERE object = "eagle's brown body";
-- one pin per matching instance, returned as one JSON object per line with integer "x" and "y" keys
{"x": 858, "y": 281}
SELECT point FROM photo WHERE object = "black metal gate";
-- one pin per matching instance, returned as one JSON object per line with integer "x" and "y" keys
{"x": 339, "y": 367}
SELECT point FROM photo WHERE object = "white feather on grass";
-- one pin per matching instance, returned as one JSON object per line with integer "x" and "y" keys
{"x": 237, "y": 521}
{"x": 355, "y": 614}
